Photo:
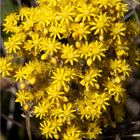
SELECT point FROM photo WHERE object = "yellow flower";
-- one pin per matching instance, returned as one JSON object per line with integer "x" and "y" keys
{"x": 10, "y": 23}
{"x": 118, "y": 30}
{"x": 133, "y": 26}
{"x": 80, "y": 31}
{"x": 24, "y": 97}
{"x": 50, "y": 46}
{"x": 66, "y": 14}
{"x": 119, "y": 93}
{"x": 93, "y": 130}
{"x": 5, "y": 67}
{"x": 56, "y": 30}
{"x": 53, "y": 126}
{"x": 93, "y": 105}
{"x": 84, "y": 110}
{"x": 101, "y": 101}
{"x": 100, "y": 24}
{"x": 54, "y": 95}
{"x": 93, "y": 50}
{"x": 69, "y": 53}
{"x": 24, "y": 13}
{"x": 116, "y": 90}
{"x": 27, "y": 25}
{"x": 35, "y": 41}
{"x": 120, "y": 66}
{"x": 122, "y": 50}
{"x": 13, "y": 44}
{"x": 40, "y": 67}
{"x": 20, "y": 74}
{"x": 57, "y": 123}
{"x": 42, "y": 108}
{"x": 47, "y": 129}
{"x": 86, "y": 12}
{"x": 61, "y": 77}
{"x": 39, "y": 94}
{"x": 56, "y": 112}
{"x": 28, "y": 69}
{"x": 67, "y": 113}
{"x": 90, "y": 78}
{"x": 72, "y": 133}
{"x": 84, "y": 50}
{"x": 97, "y": 50}
{"x": 104, "y": 3}
{"x": 121, "y": 9}
{"x": 87, "y": 109}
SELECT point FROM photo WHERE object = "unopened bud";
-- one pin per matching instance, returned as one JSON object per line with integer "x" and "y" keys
{"x": 74, "y": 35}
{"x": 22, "y": 85}
{"x": 118, "y": 7}
{"x": 44, "y": 56}
{"x": 65, "y": 99}
{"x": 45, "y": 32}
{"x": 89, "y": 61}
{"x": 32, "y": 81}
{"x": 77, "y": 19}
{"x": 97, "y": 86}
{"x": 101, "y": 37}
{"x": 26, "y": 107}
{"x": 78, "y": 44}
{"x": 53, "y": 60}
{"x": 118, "y": 80}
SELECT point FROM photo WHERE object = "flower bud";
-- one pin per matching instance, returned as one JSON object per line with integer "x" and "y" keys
{"x": 65, "y": 99}
{"x": 75, "y": 35}
{"x": 101, "y": 37}
{"x": 32, "y": 81}
{"x": 44, "y": 56}
{"x": 78, "y": 44}
{"x": 89, "y": 61}
{"x": 118, "y": 7}
{"x": 26, "y": 107}
{"x": 97, "y": 86}
{"x": 117, "y": 79}
{"x": 22, "y": 85}
{"x": 77, "y": 19}
{"x": 53, "y": 60}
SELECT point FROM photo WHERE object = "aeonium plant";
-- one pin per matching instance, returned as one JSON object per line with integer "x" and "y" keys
{"x": 77, "y": 57}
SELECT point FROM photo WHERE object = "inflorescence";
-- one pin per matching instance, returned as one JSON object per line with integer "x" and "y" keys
{"x": 72, "y": 58}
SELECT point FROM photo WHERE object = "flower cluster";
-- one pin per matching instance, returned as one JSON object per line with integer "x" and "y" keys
{"x": 72, "y": 60}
